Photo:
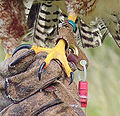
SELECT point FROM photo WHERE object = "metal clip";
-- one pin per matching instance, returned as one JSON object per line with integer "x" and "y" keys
{"x": 83, "y": 63}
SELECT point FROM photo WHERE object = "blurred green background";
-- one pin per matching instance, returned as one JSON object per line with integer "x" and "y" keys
{"x": 103, "y": 79}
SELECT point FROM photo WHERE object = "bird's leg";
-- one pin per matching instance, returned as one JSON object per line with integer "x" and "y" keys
{"x": 65, "y": 39}
{"x": 72, "y": 44}
{"x": 72, "y": 16}
{"x": 57, "y": 52}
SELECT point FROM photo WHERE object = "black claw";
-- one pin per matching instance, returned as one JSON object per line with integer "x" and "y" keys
{"x": 40, "y": 70}
{"x": 20, "y": 58}
{"x": 23, "y": 46}
{"x": 71, "y": 77}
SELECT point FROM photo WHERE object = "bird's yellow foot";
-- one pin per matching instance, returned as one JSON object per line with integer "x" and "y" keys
{"x": 58, "y": 52}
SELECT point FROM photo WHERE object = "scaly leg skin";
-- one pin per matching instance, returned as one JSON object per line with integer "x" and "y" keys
{"x": 58, "y": 52}
{"x": 72, "y": 16}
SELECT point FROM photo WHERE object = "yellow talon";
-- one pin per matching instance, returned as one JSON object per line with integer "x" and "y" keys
{"x": 58, "y": 52}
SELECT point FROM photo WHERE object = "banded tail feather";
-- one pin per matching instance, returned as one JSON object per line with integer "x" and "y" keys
{"x": 43, "y": 23}
{"x": 108, "y": 27}
{"x": 27, "y": 5}
{"x": 113, "y": 24}
{"x": 117, "y": 40}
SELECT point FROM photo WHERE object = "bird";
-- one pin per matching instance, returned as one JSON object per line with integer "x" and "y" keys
{"x": 102, "y": 10}
{"x": 12, "y": 24}
{"x": 91, "y": 17}
{"x": 56, "y": 16}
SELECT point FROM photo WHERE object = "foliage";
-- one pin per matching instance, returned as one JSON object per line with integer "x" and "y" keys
{"x": 103, "y": 78}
